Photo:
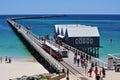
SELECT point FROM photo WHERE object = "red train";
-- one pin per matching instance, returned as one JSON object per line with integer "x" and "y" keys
{"x": 58, "y": 52}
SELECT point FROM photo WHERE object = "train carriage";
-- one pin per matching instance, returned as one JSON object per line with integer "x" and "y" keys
{"x": 58, "y": 52}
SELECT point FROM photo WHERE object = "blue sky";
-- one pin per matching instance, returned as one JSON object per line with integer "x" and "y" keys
{"x": 59, "y": 6}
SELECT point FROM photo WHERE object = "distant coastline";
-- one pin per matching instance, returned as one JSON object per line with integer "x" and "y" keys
{"x": 70, "y": 16}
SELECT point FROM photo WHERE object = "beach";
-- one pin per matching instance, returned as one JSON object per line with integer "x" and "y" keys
{"x": 20, "y": 68}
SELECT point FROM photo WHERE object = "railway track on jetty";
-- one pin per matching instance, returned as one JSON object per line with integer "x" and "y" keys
{"x": 73, "y": 71}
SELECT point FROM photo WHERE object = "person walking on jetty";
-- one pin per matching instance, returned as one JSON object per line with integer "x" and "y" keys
{"x": 96, "y": 71}
{"x": 90, "y": 72}
{"x": 103, "y": 72}
{"x": 83, "y": 62}
{"x": 86, "y": 65}
{"x": 75, "y": 58}
{"x": 67, "y": 74}
{"x": 95, "y": 64}
{"x": 78, "y": 61}
{"x": 92, "y": 65}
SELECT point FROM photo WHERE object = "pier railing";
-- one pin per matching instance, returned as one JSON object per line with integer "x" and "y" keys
{"x": 90, "y": 58}
{"x": 36, "y": 43}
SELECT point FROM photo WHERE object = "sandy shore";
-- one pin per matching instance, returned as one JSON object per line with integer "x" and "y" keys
{"x": 20, "y": 68}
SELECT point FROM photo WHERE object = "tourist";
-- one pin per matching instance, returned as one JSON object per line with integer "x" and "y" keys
{"x": 90, "y": 72}
{"x": 75, "y": 59}
{"x": 83, "y": 62}
{"x": 9, "y": 60}
{"x": 6, "y": 59}
{"x": 75, "y": 54}
{"x": 92, "y": 65}
{"x": 96, "y": 70}
{"x": 86, "y": 65}
{"x": 81, "y": 56}
{"x": 95, "y": 64}
{"x": 78, "y": 60}
{"x": 103, "y": 72}
{"x": 67, "y": 72}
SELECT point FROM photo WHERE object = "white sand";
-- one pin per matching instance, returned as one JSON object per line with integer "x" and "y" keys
{"x": 20, "y": 68}
{"x": 28, "y": 68}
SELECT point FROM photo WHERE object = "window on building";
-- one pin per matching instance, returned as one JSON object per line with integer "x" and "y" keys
{"x": 76, "y": 41}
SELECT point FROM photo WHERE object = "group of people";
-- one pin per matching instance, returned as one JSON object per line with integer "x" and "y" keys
{"x": 80, "y": 59}
{"x": 7, "y": 59}
{"x": 100, "y": 74}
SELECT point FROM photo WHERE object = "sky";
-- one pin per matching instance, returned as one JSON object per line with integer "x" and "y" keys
{"x": 59, "y": 6}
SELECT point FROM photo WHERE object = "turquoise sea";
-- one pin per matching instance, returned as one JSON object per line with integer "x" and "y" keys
{"x": 10, "y": 44}
{"x": 108, "y": 25}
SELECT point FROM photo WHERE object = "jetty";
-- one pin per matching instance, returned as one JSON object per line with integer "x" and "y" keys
{"x": 65, "y": 67}
{"x": 35, "y": 45}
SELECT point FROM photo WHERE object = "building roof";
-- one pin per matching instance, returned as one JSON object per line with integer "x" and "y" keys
{"x": 65, "y": 26}
{"x": 52, "y": 46}
{"x": 60, "y": 27}
{"x": 77, "y": 30}
{"x": 83, "y": 32}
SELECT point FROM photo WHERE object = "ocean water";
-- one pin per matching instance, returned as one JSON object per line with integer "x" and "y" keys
{"x": 108, "y": 26}
{"x": 10, "y": 44}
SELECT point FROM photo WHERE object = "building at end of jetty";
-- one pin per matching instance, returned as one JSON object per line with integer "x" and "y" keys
{"x": 85, "y": 38}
